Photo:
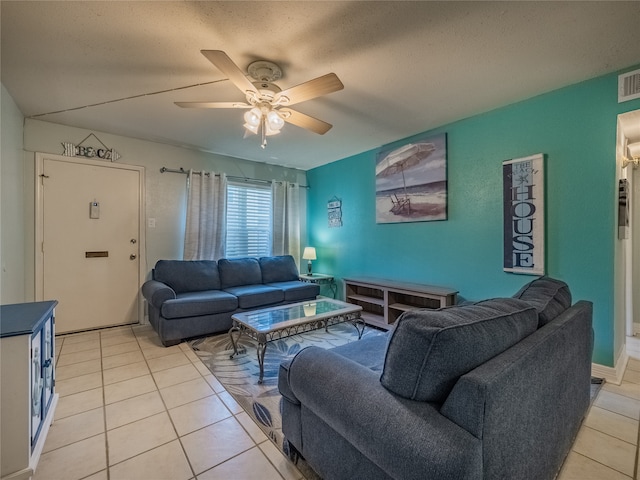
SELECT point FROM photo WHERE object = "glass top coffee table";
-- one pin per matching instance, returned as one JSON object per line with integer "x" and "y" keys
{"x": 269, "y": 324}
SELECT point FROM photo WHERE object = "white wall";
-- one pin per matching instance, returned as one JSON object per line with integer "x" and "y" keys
{"x": 165, "y": 192}
{"x": 12, "y": 221}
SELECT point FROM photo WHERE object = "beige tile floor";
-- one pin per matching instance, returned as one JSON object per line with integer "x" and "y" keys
{"x": 607, "y": 445}
{"x": 131, "y": 409}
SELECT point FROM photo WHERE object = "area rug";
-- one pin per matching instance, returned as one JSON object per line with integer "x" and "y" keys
{"x": 240, "y": 374}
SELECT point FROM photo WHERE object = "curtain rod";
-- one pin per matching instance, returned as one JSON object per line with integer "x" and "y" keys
{"x": 230, "y": 177}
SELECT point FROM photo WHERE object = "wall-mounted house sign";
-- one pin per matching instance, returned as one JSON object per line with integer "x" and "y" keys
{"x": 79, "y": 150}
{"x": 523, "y": 204}
{"x": 334, "y": 212}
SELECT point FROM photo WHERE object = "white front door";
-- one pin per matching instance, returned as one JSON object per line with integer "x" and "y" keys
{"x": 90, "y": 242}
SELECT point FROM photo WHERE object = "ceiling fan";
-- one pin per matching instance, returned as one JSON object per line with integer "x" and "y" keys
{"x": 267, "y": 103}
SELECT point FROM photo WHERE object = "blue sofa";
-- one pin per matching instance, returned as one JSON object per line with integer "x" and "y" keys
{"x": 194, "y": 298}
{"x": 491, "y": 390}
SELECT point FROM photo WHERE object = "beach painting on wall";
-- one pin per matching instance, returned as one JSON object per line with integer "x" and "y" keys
{"x": 411, "y": 181}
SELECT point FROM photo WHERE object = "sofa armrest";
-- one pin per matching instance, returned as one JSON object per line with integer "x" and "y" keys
{"x": 392, "y": 432}
{"x": 156, "y": 293}
{"x": 536, "y": 393}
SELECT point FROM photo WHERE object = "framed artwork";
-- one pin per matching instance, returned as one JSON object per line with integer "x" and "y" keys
{"x": 411, "y": 181}
{"x": 523, "y": 204}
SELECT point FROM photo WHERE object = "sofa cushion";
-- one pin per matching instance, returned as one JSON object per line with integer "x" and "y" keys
{"x": 278, "y": 269}
{"x": 188, "y": 275}
{"x": 296, "y": 291}
{"x": 549, "y": 296}
{"x": 369, "y": 351}
{"x": 239, "y": 271}
{"x": 252, "y": 296}
{"x": 430, "y": 349}
{"x": 193, "y": 304}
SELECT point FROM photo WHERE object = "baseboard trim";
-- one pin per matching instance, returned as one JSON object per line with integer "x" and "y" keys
{"x": 611, "y": 374}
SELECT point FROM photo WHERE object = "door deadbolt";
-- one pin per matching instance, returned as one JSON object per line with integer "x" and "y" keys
{"x": 132, "y": 256}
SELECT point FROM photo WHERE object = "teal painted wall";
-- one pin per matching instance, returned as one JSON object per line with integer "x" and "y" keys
{"x": 575, "y": 128}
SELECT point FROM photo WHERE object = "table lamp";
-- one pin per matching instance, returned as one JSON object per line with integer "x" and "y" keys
{"x": 309, "y": 254}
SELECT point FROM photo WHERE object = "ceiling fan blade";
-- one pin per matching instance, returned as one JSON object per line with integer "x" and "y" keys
{"x": 305, "y": 121}
{"x": 313, "y": 88}
{"x": 212, "y": 104}
{"x": 230, "y": 69}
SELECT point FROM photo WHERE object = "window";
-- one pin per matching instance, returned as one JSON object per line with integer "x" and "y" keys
{"x": 248, "y": 220}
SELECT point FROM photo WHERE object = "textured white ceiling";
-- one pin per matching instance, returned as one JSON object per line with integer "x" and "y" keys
{"x": 407, "y": 66}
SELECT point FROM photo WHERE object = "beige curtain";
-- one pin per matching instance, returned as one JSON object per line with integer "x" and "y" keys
{"x": 286, "y": 219}
{"x": 206, "y": 210}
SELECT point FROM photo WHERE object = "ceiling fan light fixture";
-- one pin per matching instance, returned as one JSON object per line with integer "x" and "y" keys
{"x": 269, "y": 131}
{"x": 274, "y": 121}
{"x": 253, "y": 116}
{"x": 252, "y": 128}
{"x": 263, "y": 97}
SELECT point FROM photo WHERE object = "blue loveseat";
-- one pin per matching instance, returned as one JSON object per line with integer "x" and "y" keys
{"x": 494, "y": 390}
{"x": 193, "y": 298}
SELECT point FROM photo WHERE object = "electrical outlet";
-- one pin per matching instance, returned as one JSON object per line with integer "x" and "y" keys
{"x": 151, "y": 223}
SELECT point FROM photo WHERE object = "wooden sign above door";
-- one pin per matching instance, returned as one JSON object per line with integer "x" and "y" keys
{"x": 106, "y": 153}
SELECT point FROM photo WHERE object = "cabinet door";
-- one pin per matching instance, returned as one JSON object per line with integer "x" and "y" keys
{"x": 48, "y": 352}
{"x": 37, "y": 385}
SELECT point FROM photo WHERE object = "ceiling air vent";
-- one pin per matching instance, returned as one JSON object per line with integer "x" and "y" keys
{"x": 628, "y": 86}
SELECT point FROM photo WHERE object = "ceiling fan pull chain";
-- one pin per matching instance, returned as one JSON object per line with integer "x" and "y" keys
{"x": 263, "y": 128}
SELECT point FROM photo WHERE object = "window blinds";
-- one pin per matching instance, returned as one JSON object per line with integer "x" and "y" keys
{"x": 248, "y": 220}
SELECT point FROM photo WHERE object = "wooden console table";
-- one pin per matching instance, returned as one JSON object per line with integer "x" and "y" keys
{"x": 383, "y": 301}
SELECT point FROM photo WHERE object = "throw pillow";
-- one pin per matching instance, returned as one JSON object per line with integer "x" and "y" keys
{"x": 549, "y": 296}
{"x": 239, "y": 271}
{"x": 278, "y": 269}
{"x": 188, "y": 275}
{"x": 430, "y": 349}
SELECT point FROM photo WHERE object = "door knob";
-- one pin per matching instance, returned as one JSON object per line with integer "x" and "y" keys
{"x": 133, "y": 240}
{"x": 132, "y": 256}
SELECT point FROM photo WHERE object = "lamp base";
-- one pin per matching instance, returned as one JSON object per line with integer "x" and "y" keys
{"x": 309, "y": 268}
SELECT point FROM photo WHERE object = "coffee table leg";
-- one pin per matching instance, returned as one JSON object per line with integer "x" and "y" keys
{"x": 234, "y": 339}
{"x": 262, "y": 347}
{"x": 359, "y": 323}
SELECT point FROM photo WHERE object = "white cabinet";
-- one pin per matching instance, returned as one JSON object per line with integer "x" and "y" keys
{"x": 27, "y": 385}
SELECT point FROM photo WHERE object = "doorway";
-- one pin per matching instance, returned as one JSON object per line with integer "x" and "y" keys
{"x": 89, "y": 241}
{"x": 629, "y": 134}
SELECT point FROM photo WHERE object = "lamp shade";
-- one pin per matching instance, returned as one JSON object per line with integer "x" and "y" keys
{"x": 309, "y": 253}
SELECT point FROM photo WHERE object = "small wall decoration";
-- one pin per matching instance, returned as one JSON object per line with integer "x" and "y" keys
{"x": 523, "y": 204}
{"x": 106, "y": 153}
{"x": 334, "y": 212}
{"x": 623, "y": 209}
{"x": 411, "y": 181}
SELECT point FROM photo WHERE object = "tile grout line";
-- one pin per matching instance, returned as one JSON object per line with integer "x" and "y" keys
{"x": 104, "y": 412}
{"x": 635, "y": 464}
{"x": 166, "y": 409}
{"x": 256, "y": 444}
